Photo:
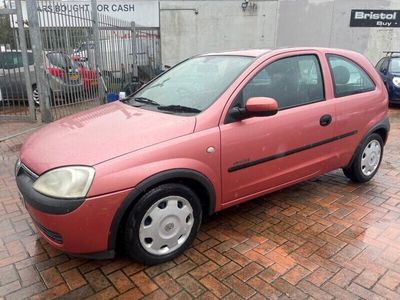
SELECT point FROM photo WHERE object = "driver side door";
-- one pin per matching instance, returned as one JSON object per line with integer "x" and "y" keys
{"x": 262, "y": 154}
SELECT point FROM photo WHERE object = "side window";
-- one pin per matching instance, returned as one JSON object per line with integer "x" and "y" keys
{"x": 348, "y": 78}
{"x": 291, "y": 81}
{"x": 11, "y": 60}
{"x": 385, "y": 65}
{"x": 30, "y": 59}
{"x": 17, "y": 60}
{"x": 379, "y": 64}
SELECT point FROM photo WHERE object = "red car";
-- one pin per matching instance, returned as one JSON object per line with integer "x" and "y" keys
{"x": 88, "y": 74}
{"x": 214, "y": 131}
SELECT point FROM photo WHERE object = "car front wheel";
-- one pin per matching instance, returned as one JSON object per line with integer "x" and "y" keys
{"x": 162, "y": 224}
{"x": 367, "y": 159}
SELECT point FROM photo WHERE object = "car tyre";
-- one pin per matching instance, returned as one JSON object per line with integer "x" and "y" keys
{"x": 162, "y": 224}
{"x": 367, "y": 159}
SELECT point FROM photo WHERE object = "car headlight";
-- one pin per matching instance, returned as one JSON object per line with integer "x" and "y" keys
{"x": 396, "y": 81}
{"x": 65, "y": 182}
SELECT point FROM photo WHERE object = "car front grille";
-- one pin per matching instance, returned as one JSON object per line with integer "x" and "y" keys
{"x": 21, "y": 168}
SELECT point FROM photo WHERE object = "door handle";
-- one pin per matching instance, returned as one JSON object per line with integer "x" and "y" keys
{"x": 325, "y": 120}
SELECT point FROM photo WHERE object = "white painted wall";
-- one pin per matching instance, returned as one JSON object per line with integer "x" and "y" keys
{"x": 327, "y": 23}
{"x": 218, "y": 26}
{"x": 222, "y": 25}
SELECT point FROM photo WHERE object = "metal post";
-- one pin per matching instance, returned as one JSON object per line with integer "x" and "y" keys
{"x": 25, "y": 62}
{"x": 97, "y": 53}
{"x": 37, "y": 48}
{"x": 134, "y": 49}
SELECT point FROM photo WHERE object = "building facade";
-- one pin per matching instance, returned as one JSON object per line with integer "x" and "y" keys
{"x": 191, "y": 27}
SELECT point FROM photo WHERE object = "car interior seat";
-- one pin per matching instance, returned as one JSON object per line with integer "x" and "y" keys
{"x": 341, "y": 76}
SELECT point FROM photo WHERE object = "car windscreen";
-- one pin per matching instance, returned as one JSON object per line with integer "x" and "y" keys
{"x": 394, "y": 66}
{"x": 194, "y": 84}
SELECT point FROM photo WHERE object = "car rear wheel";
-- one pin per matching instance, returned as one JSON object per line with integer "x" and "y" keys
{"x": 162, "y": 224}
{"x": 367, "y": 159}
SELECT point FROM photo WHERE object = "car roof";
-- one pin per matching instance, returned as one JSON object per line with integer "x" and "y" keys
{"x": 262, "y": 52}
{"x": 244, "y": 52}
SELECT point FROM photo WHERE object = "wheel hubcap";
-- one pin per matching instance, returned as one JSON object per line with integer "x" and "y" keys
{"x": 166, "y": 225}
{"x": 371, "y": 157}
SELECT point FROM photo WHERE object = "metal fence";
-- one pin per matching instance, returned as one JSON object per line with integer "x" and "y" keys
{"x": 17, "y": 73}
{"x": 78, "y": 59}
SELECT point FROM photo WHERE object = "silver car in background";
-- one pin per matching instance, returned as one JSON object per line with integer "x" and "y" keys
{"x": 62, "y": 74}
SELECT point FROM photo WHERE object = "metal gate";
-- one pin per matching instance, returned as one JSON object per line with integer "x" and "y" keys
{"x": 83, "y": 59}
{"x": 17, "y": 72}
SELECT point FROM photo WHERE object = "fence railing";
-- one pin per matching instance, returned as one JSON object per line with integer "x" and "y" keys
{"x": 76, "y": 59}
{"x": 17, "y": 71}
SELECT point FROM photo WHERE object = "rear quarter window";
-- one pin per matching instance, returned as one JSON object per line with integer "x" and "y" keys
{"x": 348, "y": 77}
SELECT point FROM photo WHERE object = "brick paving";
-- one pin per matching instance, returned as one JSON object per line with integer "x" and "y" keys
{"x": 10, "y": 128}
{"x": 326, "y": 238}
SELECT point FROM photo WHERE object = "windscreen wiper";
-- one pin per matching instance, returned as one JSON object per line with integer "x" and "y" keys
{"x": 179, "y": 108}
{"x": 146, "y": 100}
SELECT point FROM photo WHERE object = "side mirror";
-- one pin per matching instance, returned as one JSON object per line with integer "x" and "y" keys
{"x": 384, "y": 71}
{"x": 256, "y": 107}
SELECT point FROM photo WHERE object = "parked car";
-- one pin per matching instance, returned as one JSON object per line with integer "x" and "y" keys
{"x": 117, "y": 57}
{"x": 66, "y": 78}
{"x": 389, "y": 69}
{"x": 12, "y": 77}
{"x": 87, "y": 72}
{"x": 214, "y": 131}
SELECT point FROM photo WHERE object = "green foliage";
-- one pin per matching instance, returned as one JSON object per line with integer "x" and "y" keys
{"x": 6, "y": 32}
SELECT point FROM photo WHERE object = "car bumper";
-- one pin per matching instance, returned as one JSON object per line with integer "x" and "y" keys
{"x": 394, "y": 94}
{"x": 81, "y": 228}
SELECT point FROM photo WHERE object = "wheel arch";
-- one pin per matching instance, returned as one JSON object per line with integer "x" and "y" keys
{"x": 198, "y": 182}
{"x": 382, "y": 128}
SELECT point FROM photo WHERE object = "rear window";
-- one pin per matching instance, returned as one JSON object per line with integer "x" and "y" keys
{"x": 60, "y": 60}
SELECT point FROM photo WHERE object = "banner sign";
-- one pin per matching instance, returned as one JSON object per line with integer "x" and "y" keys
{"x": 145, "y": 13}
{"x": 374, "y": 18}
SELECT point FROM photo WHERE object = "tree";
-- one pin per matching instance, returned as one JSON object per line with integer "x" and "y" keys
{"x": 6, "y": 32}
